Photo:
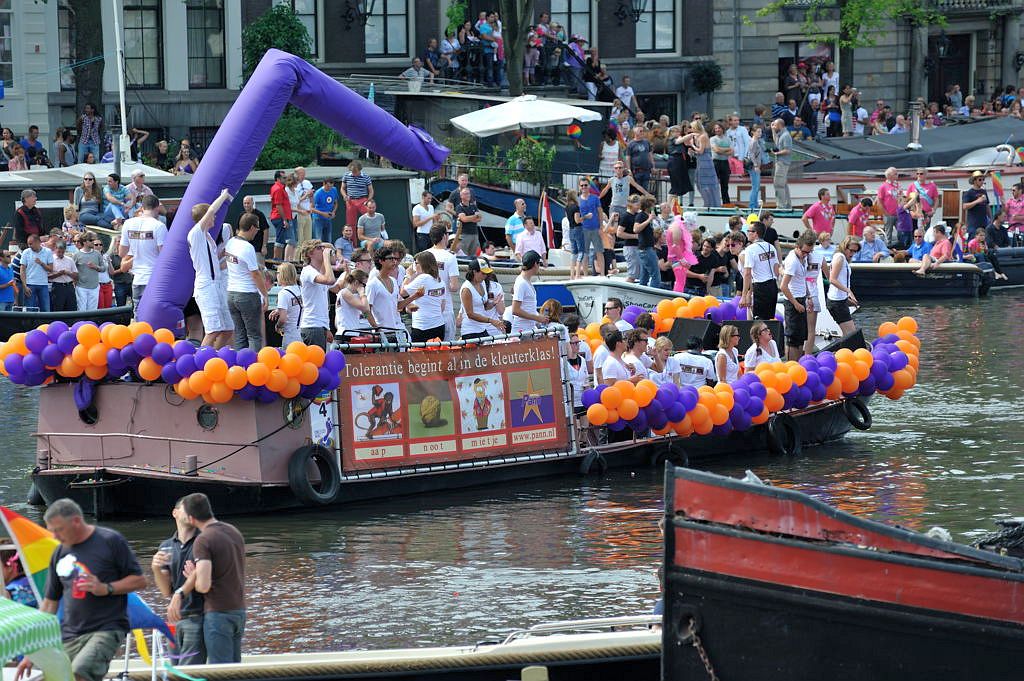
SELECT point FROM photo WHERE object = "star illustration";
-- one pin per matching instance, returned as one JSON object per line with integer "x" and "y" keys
{"x": 531, "y": 400}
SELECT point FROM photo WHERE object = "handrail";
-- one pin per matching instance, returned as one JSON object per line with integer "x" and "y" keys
{"x": 594, "y": 624}
{"x": 546, "y": 330}
{"x": 139, "y": 436}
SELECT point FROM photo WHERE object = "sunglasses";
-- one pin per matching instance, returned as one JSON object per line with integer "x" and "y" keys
{"x": 368, "y": 260}
{"x": 390, "y": 257}
{"x": 608, "y": 309}
{"x": 735, "y": 335}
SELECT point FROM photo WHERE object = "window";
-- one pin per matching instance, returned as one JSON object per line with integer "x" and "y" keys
{"x": 66, "y": 38}
{"x": 205, "y": 20}
{"x": 201, "y": 138}
{"x": 305, "y": 12}
{"x": 573, "y": 16}
{"x": 656, "y": 30}
{"x": 655, "y": 105}
{"x": 6, "y": 43}
{"x": 387, "y": 30}
{"x": 143, "y": 44}
{"x": 813, "y": 56}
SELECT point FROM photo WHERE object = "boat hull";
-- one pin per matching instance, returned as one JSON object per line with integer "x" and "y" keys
{"x": 897, "y": 280}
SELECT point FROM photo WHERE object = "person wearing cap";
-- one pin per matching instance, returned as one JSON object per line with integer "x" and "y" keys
{"x": 574, "y": 62}
{"x": 975, "y": 202}
{"x": 324, "y": 209}
{"x": 760, "y": 274}
{"x": 523, "y": 313}
{"x": 483, "y": 302}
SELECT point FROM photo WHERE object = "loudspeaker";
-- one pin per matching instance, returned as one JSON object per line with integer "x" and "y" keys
{"x": 705, "y": 329}
{"x": 744, "y": 326}
{"x": 853, "y": 341}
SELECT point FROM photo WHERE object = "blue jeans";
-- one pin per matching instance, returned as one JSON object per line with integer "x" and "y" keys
{"x": 112, "y": 212}
{"x": 188, "y": 633}
{"x": 323, "y": 229}
{"x": 755, "y": 188}
{"x": 84, "y": 149}
{"x": 649, "y": 273}
{"x": 6, "y": 307}
{"x": 38, "y": 295}
{"x": 222, "y": 633}
{"x": 92, "y": 218}
{"x": 122, "y": 293}
{"x": 284, "y": 232}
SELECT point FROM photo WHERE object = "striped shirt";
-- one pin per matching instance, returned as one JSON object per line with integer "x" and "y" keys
{"x": 356, "y": 186}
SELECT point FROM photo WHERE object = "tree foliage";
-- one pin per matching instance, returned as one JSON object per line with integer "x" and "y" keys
{"x": 861, "y": 22}
{"x": 296, "y": 136}
{"x": 516, "y": 17}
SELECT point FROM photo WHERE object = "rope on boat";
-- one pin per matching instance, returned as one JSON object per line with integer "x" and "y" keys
{"x": 298, "y": 669}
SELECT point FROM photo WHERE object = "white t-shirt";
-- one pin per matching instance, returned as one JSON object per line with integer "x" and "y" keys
{"x": 144, "y": 236}
{"x": 579, "y": 378}
{"x": 761, "y": 257}
{"x": 347, "y": 317}
{"x": 797, "y": 271}
{"x": 419, "y": 212}
{"x": 600, "y": 355}
{"x": 752, "y": 357}
{"x": 293, "y": 197}
{"x": 303, "y": 187}
{"x": 384, "y": 303}
{"x": 732, "y": 365}
{"x": 844, "y": 278}
{"x": 615, "y": 369}
{"x": 625, "y": 95}
{"x": 860, "y": 120}
{"x": 492, "y": 291}
{"x": 432, "y": 307}
{"x": 813, "y": 264}
{"x": 202, "y": 249}
{"x": 695, "y": 369}
{"x": 669, "y": 375}
{"x": 314, "y": 300}
{"x": 638, "y": 365}
{"x": 241, "y": 264}
{"x": 447, "y": 264}
{"x": 524, "y": 292}
{"x": 289, "y": 298}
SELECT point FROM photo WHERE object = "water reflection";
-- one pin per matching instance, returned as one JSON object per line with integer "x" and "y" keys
{"x": 456, "y": 566}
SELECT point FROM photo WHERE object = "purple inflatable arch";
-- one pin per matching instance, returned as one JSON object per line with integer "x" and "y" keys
{"x": 279, "y": 79}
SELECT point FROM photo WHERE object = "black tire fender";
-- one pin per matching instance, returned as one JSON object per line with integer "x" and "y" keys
{"x": 857, "y": 413}
{"x": 673, "y": 453}
{"x": 784, "y": 435}
{"x": 593, "y": 462}
{"x": 298, "y": 475}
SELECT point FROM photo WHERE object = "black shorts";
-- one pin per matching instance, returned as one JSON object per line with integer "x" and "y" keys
{"x": 766, "y": 297}
{"x": 796, "y": 326}
{"x": 425, "y": 335}
{"x": 191, "y": 309}
{"x": 840, "y": 310}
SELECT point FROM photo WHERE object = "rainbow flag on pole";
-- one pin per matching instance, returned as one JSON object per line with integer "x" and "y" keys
{"x": 997, "y": 185}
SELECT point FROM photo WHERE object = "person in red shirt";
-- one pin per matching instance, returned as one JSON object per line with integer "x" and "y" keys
{"x": 858, "y": 218}
{"x": 285, "y": 237}
{"x": 27, "y": 219}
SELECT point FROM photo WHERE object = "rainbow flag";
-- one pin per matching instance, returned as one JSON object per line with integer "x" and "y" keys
{"x": 593, "y": 184}
{"x": 1020, "y": 153}
{"x": 997, "y": 185}
{"x": 36, "y": 545}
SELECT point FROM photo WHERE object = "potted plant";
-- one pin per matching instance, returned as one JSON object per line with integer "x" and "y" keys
{"x": 529, "y": 163}
{"x": 706, "y": 77}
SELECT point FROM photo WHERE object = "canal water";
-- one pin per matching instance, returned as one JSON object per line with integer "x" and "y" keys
{"x": 458, "y": 567}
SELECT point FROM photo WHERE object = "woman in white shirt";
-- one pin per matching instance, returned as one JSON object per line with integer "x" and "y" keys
{"x": 666, "y": 368}
{"x": 840, "y": 295}
{"x": 727, "y": 361}
{"x": 615, "y": 367}
{"x": 433, "y": 299}
{"x": 576, "y": 372}
{"x": 247, "y": 287}
{"x": 383, "y": 293}
{"x": 482, "y": 302}
{"x": 762, "y": 350}
{"x": 352, "y": 310}
{"x": 289, "y": 304}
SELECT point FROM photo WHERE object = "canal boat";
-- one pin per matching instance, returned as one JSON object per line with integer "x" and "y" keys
{"x": 764, "y": 583}
{"x": 893, "y": 280}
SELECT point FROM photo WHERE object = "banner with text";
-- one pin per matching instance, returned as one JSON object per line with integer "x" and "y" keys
{"x": 451, "y": 405}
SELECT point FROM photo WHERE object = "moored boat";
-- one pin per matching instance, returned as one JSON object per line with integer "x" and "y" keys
{"x": 898, "y": 280}
{"x": 767, "y": 583}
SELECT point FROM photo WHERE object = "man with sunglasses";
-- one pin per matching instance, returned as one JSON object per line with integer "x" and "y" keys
{"x": 927, "y": 194}
{"x": 794, "y": 288}
{"x": 760, "y": 274}
{"x": 918, "y": 248}
{"x": 613, "y": 311}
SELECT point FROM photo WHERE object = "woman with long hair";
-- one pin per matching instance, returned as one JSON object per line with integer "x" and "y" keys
{"x": 89, "y": 202}
{"x": 678, "y": 172}
{"x": 763, "y": 348}
{"x": 429, "y": 315}
{"x": 707, "y": 180}
{"x": 481, "y": 300}
{"x": 352, "y": 309}
{"x": 840, "y": 294}
{"x": 184, "y": 162}
{"x": 289, "y": 304}
{"x": 727, "y": 361}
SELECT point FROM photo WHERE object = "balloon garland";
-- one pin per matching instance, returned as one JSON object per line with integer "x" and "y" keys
{"x": 889, "y": 368}
{"x": 113, "y": 350}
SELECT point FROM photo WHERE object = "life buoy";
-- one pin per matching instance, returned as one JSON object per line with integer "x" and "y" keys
{"x": 784, "y": 435}
{"x": 298, "y": 475}
{"x": 593, "y": 462}
{"x": 857, "y": 413}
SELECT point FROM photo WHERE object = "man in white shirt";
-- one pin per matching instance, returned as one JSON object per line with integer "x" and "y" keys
{"x": 861, "y": 118}
{"x": 211, "y": 297}
{"x": 142, "y": 238}
{"x": 696, "y": 368}
{"x": 760, "y": 274}
{"x": 794, "y": 288}
{"x": 514, "y": 226}
{"x": 315, "y": 279}
{"x": 613, "y": 311}
{"x": 36, "y": 264}
{"x": 530, "y": 240}
{"x": 625, "y": 93}
{"x": 423, "y": 220}
{"x": 448, "y": 268}
{"x": 739, "y": 137}
{"x": 305, "y": 213}
{"x": 524, "y": 296}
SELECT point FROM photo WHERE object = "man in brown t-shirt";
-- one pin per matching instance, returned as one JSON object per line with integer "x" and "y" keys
{"x": 219, "y": 574}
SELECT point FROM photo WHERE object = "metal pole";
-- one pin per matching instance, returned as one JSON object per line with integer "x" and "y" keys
{"x": 915, "y": 126}
{"x": 121, "y": 155}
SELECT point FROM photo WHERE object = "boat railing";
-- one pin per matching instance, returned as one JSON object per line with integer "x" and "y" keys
{"x": 586, "y": 625}
{"x": 132, "y": 438}
{"x": 558, "y": 330}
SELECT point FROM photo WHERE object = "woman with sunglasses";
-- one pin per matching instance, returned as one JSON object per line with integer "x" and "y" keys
{"x": 763, "y": 348}
{"x": 89, "y": 202}
{"x": 482, "y": 302}
{"x": 727, "y": 360}
{"x": 840, "y": 294}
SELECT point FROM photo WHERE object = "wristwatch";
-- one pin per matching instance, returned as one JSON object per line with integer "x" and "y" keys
{"x": 180, "y": 591}
{"x": 110, "y": 589}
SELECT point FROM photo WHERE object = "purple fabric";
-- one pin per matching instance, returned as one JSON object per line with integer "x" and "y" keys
{"x": 279, "y": 79}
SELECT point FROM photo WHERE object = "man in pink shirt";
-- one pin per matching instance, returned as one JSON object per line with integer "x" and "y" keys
{"x": 1015, "y": 211}
{"x": 927, "y": 193}
{"x": 858, "y": 217}
{"x": 889, "y": 199}
{"x": 821, "y": 216}
{"x": 941, "y": 252}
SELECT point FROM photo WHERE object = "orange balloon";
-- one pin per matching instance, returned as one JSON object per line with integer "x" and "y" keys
{"x": 683, "y": 428}
{"x": 681, "y": 312}
{"x": 626, "y": 389}
{"x": 861, "y": 370}
{"x": 700, "y": 415}
{"x": 611, "y": 397}
{"x": 309, "y": 374}
{"x": 645, "y": 391}
{"x": 908, "y": 347}
{"x": 774, "y": 400}
{"x": 907, "y": 336}
{"x": 139, "y": 328}
{"x": 851, "y": 385}
{"x": 291, "y": 389}
{"x": 88, "y": 335}
{"x": 594, "y": 344}
{"x": 105, "y": 333}
{"x": 863, "y": 355}
{"x": 613, "y": 415}
{"x": 96, "y": 373}
{"x": 296, "y": 348}
{"x": 704, "y": 427}
{"x": 719, "y": 415}
{"x": 663, "y": 431}
{"x": 216, "y": 369}
{"x": 258, "y": 373}
{"x": 894, "y": 394}
{"x": 797, "y": 373}
{"x": 835, "y": 390}
{"x": 593, "y": 330}
{"x": 80, "y": 356}
{"x": 185, "y": 390}
{"x": 119, "y": 336}
{"x": 844, "y": 355}
{"x": 665, "y": 324}
{"x": 220, "y": 393}
{"x": 913, "y": 361}
{"x": 885, "y": 328}
{"x": 844, "y": 372}
{"x": 783, "y": 382}
{"x": 269, "y": 357}
{"x": 629, "y": 409}
{"x": 98, "y": 355}
{"x": 149, "y": 370}
{"x": 291, "y": 364}
{"x": 316, "y": 355}
{"x": 762, "y": 417}
{"x": 768, "y": 378}
{"x": 665, "y": 307}
{"x": 907, "y": 324}
{"x": 164, "y": 336}
{"x": 69, "y": 369}
{"x": 277, "y": 381}
{"x": 902, "y": 380}
{"x": 199, "y": 382}
{"x": 708, "y": 400}
{"x": 16, "y": 344}
{"x": 236, "y": 378}
{"x": 597, "y": 414}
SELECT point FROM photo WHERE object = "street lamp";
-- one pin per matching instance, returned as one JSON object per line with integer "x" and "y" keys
{"x": 357, "y": 11}
{"x": 630, "y": 9}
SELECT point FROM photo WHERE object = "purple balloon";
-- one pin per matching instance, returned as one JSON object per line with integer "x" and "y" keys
{"x": 67, "y": 342}
{"x": 617, "y": 425}
{"x": 13, "y": 363}
{"x": 55, "y": 330}
{"x": 758, "y": 390}
{"x": 898, "y": 360}
{"x": 36, "y": 341}
{"x": 115, "y": 365}
{"x": 32, "y": 364}
{"x": 741, "y": 396}
{"x": 813, "y": 381}
{"x": 229, "y": 355}
{"x": 601, "y": 388}
{"x": 723, "y": 429}
{"x": 246, "y": 357}
{"x": 323, "y": 378}
{"x": 688, "y": 397}
{"x": 309, "y": 391}
{"x": 144, "y": 344}
{"x": 266, "y": 396}
{"x": 640, "y": 423}
{"x": 129, "y": 356}
{"x": 77, "y": 325}
{"x": 182, "y": 348}
{"x": 826, "y": 376}
{"x": 185, "y": 366}
{"x": 716, "y": 315}
{"x": 589, "y": 396}
{"x": 755, "y": 406}
{"x": 676, "y": 412}
{"x": 878, "y": 369}
{"x": 332, "y": 383}
{"x": 248, "y": 392}
{"x": 51, "y": 356}
{"x": 170, "y": 374}
{"x": 669, "y": 390}
{"x": 827, "y": 359}
{"x": 162, "y": 353}
{"x": 868, "y": 386}
{"x": 204, "y": 355}
{"x": 658, "y": 421}
{"x": 36, "y": 378}
{"x": 884, "y": 383}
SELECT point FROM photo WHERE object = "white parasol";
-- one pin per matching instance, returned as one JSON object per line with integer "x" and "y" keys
{"x": 526, "y": 111}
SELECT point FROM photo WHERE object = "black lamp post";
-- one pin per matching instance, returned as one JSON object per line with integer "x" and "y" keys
{"x": 630, "y": 9}
{"x": 357, "y": 11}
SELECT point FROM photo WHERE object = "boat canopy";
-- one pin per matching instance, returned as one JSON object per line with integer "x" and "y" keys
{"x": 941, "y": 147}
